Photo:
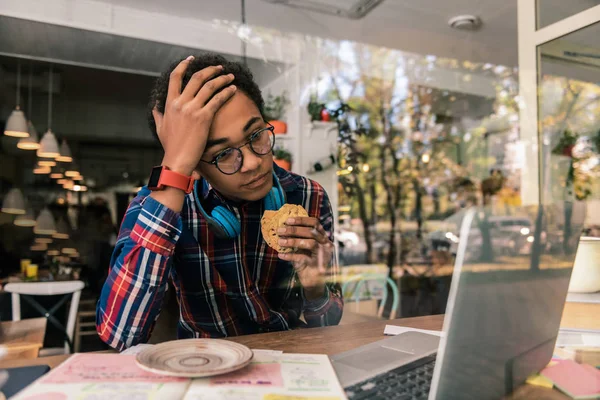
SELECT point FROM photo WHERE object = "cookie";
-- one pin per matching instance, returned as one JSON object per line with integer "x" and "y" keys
{"x": 273, "y": 220}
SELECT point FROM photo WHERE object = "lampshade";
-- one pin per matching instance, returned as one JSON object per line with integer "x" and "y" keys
{"x": 44, "y": 225}
{"x": 43, "y": 240}
{"x": 48, "y": 146}
{"x": 38, "y": 247}
{"x": 14, "y": 203}
{"x": 25, "y": 220}
{"x": 77, "y": 178}
{"x": 72, "y": 171}
{"x": 62, "y": 230}
{"x": 42, "y": 170}
{"x": 56, "y": 175}
{"x": 46, "y": 163}
{"x": 31, "y": 142}
{"x": 68, "y": 185}
{"x": 65, "y": 153}
{"x": 16, "y": 126}
{"x": 62, "y": 181}
{"x": 53, "y": 253}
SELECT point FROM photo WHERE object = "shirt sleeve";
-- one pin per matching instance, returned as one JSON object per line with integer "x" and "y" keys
{"x": 328, "y": 309}
{"x": 132, "y": 295}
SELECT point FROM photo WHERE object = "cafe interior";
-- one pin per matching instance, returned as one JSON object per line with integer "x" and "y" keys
{"x": 458, "y": 143}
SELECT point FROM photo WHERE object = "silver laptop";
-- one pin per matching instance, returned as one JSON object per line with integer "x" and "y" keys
{"x": 502, "y": 317}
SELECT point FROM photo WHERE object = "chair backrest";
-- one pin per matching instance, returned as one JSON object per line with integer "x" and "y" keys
{"x": 47, "y": 289}
{"x": 363, "y": 279}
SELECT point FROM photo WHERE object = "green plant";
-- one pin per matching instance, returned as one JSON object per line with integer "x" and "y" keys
{"x": 315, "y": 108}
{"x": 275, "y": 106}
{"x": 282, "y": 154}
{"x": 565, "y": 143}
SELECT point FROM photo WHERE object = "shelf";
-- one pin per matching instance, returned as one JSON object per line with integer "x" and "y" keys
{"x": 284, "y": 137}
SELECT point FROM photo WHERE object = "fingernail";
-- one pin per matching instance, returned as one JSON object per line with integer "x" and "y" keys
{"x": 190, "y": 58}
{"x": 233, "y": 87}
{"x": 290, "y": 221}
{"x": 282, "y": 242}
{"x": 283, "y": 256}
{"x": 231, "y": 75}
{"x": 281, "y": 230}
{"x": 219, "y": 66}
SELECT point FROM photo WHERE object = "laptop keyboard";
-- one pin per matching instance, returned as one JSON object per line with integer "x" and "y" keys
{"x": 408, "y": 382}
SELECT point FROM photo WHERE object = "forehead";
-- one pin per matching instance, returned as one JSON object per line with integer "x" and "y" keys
{"x": 230, "y": 119}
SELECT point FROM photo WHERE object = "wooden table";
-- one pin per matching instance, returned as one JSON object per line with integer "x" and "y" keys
{"x": 336, "y": 339}
{"x": 22, "y": 339}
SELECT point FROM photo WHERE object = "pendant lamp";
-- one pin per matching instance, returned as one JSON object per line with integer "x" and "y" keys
{"x": 48, "y": 144}
{"x": 14, "y": 203}
{"x": 31, "y": 142}
{"x": 16, "y": 125}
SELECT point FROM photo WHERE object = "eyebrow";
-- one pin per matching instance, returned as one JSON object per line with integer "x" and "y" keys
{"x": 216, "y": 142}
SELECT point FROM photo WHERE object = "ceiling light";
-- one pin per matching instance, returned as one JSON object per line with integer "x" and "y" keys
{"x": 46, "y": 163}
{"x": 62, "y": 230}
{"x": 25, "y": 220}
{"x": 16, "y": 125}
{"x": 56, "y": 175}
{"x": 68, "y": 185}
{"x": 53, "y": 253}
{"x": 465, "y": 22}
{"x": 355, "y": 9}
{"x": 65, "y": 153}
{"x": 31, "y": 142}
{"x": 72, "y": 171}
{"x": 44, "y": 225}
{"x": 48, "y": 146}
{"x": 14, "y": 203}
{"x": 62, "y": 181}
{"x": 42, "y": 170}
{"x": 43, "y": 240}
{"x": 39, "y": 247}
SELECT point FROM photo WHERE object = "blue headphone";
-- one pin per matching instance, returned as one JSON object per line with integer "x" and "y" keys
{"x": 224, "y": 223}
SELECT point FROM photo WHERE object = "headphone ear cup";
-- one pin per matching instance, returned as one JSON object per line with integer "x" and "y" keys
{"x": 275, "y": 199}
{"x": 227, "y": 221}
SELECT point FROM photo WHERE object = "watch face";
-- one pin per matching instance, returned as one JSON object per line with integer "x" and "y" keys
{"x": 154, "y": 177}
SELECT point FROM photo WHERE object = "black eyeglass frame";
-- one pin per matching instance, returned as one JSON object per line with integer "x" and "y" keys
{"x": 253, "y": 136}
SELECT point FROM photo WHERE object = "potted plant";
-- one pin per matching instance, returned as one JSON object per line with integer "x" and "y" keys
{"x": 274, "y": 111}
{"x": 283, "y": 158}
{"x": 317, "y": 110}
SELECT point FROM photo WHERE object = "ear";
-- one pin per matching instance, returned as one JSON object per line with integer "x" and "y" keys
{"x": 158, "y": 117}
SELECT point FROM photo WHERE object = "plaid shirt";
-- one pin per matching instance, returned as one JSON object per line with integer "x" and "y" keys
{"x": 225, "y": 287}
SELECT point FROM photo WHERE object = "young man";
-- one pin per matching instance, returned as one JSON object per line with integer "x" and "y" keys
{"x": 207, "y": 113}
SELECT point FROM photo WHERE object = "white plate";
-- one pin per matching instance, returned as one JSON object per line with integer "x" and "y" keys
{"x": 194, "y": 358}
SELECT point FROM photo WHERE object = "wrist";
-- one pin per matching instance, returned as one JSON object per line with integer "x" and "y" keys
{"x": 178, "y": 167}
{"x": 314, "y": 293}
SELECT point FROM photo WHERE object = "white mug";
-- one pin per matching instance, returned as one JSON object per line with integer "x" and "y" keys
{"x": 586, "y": 271}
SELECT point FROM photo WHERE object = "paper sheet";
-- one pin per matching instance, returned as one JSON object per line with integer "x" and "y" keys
{"x": 577, "y": 380}
{"x": 88, "y": 376}
{"x": 393, "y": 330}
{"x": 273, "y": 376}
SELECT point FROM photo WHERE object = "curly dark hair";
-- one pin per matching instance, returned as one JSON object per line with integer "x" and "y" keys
{"x": 244, "y": 81}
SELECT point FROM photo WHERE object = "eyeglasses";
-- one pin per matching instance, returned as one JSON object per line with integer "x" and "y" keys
{"x": 230, "y": 160}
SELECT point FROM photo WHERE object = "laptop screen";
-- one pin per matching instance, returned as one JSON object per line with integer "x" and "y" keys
{"x": 506, "y": 300}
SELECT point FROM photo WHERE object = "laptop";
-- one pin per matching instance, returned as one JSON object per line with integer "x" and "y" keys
{"x": 502, "y": 317}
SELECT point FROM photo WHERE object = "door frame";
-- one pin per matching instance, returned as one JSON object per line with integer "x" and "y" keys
{"x": 530, "y": 38}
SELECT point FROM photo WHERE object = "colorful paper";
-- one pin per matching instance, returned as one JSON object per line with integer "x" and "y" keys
{"x": 579, "y": 381}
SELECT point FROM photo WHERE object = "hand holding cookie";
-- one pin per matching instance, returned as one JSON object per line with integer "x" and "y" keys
{"x": 301, "y": 240}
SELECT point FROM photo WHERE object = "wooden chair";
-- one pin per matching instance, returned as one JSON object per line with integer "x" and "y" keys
{"x": 363, "y": 280}
{"x": 85, "y": 325}
{"x": 71, "y": 290}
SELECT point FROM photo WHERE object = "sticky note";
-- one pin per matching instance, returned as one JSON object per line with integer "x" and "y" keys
{"x": 539, "y": 380}
{"x": 286, "y": 397}
{"x": 576, "y": 380}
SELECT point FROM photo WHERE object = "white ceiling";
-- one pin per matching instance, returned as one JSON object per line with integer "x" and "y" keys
{"x": 418, "y": 26}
